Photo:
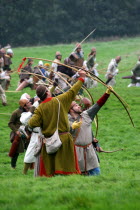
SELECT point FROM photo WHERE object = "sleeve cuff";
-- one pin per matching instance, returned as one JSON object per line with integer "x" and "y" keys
{"x": 103, "y": 99}
{"x": 81, "y": 79}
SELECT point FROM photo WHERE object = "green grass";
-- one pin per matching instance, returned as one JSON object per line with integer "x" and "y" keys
{"x": 118, "y": 186}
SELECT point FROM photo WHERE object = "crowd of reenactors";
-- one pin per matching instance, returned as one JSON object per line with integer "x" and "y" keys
{"x": 29, "y": 125}
{"x": 44, "y": 72}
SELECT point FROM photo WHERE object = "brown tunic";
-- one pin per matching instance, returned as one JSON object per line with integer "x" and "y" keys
{"x": 25, "y": 70}
{"x": 14, "y": 124}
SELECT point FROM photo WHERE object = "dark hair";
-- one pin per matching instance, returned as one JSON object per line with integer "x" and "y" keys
{"x": 32, "y": 100}
{"x": 29, "y": 60}
{"x": 41, "y": 92}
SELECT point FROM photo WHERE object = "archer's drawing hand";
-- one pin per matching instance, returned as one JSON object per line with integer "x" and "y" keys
{"x": 108, "y": 91}
{"x": 82, "y": 74}
{"x": 76, "y": 124}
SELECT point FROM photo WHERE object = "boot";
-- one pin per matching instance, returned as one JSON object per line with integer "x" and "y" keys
{"x": 7, "y": 84}
{"x": 3, "y": 97}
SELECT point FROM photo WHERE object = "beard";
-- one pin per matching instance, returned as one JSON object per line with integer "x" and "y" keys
{"x": 78, "y": 112}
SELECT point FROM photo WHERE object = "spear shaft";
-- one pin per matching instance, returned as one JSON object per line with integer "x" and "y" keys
{"x": 85, "y": 38}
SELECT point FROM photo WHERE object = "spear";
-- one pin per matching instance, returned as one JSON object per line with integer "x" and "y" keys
{"x": 85, "y": 38}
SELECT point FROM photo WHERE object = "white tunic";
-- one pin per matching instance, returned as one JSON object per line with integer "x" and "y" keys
{"x": 85, "y": 138}
{"x": 112, "y": 68}
{"x": 29, "y": 155}
{"x": 87, "y": 157}
{"x": 112, "y": 71}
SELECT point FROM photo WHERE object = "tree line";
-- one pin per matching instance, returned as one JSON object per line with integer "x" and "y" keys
{"x": 42, "y": 22}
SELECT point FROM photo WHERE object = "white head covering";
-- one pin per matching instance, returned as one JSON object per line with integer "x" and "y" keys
{"x": 40, "y": 63}
{"x": 10, "y": 51}
{"x": 25, "y": 96}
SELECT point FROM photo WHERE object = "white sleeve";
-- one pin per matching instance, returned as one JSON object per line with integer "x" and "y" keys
{"x": 54, "y": 66}
{"x": 25, "y": 116}
{"x": 36, "y": 104}
{"x": 75, "y": 75}
{"x": 116, "y": 71}
{"x": 110, "y": 67}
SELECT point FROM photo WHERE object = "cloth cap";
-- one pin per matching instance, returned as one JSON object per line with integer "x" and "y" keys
{"x": 22, "y": 102}
{"x": 47, "y": 64}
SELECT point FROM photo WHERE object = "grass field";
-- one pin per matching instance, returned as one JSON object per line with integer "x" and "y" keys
{"x": 118, "y": 186}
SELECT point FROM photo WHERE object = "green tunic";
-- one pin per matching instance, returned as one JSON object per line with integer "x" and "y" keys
{"x": 45, "y": 116}
{"x": 91, "y": 61}
{"x": 136, "y": 72}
